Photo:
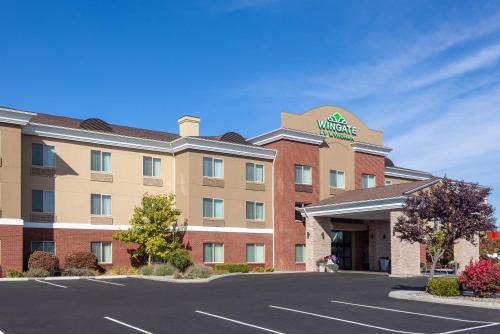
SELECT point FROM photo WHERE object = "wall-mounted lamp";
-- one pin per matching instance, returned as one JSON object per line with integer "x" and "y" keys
{"x": 371, "y": 236}
{"x": 323, "y": 235}
{"x": 384, "y": 236}
{"x": 308, "y": 234}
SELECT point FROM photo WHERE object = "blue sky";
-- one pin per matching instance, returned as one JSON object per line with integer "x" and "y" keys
{"x": 427, "y": 73}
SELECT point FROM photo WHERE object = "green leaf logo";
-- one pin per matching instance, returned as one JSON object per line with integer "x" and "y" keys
{"x": 338, "y": 118}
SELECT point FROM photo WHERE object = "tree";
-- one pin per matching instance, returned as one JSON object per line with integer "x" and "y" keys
{"x": 154, "y": 227}
{"x": 444, "y": 213}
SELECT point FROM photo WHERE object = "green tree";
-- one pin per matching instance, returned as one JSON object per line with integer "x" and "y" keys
{"x": 154, "y": 227}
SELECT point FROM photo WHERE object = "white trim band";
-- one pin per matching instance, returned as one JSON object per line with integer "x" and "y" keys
{"x": 13, "y": 116}
{"x": 406, "y": 173}
{"x": 354, "y": 207}
{"x": 371, "y": 149}
{"x": 287, "y": 134}
{"x": 10, "y": 221}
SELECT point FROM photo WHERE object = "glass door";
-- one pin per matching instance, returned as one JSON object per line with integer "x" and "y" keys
{"x": 341, "y": 248}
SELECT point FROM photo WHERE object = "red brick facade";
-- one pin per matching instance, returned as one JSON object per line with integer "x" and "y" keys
{"x": 11, "y": 252}
{"x": 288, "y": 231}
{"x": 71, "y": 240}
{"x": 234, "y": 245}
{"x": 365, "y": 163}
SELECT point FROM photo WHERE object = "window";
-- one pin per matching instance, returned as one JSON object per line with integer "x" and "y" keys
{"x": 256, "y": 253}
{"x": 213, "y": 208}
{"x": 43, "y": 246}
{"x": 367, "y": 181}
{"x": 298, "y": 216}
{"x": 337, "y": 179}
{"x": 100, "y": 205}
{"x": 303, "y": 174}
{"x": 102, "y": 250}
{"x": 388, "y": 182}
{"x": 254, "y": 211}
{"x": 212, "y": 168}
{"x": 213, "y": 253}
{"x": 299, "y": 253}
{"x": 42, "y": 155}
{"x": 151, "y": 166}
{"x": 42, "y": 201}
{"x": 100, "y": 161}
{"x": 254, "y": 172}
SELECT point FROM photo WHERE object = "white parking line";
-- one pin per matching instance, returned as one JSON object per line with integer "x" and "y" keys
{"x": 471, "y": 328}
{"x": 239, "y": 322}
{"x": 408, "y": 312}
{"x": 105, "y": 282}
{"x": 344, "y": 320}
{"x": 45, "y": 282}
{"x": 127, "y": 325}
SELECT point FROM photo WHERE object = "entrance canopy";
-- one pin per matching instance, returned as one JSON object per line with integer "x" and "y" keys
{"x": 366, "y": 204}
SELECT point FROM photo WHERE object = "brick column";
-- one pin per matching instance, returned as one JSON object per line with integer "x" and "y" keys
{"x": 405, "y": 257}
{"x": 318, "y": 240}
{"x": 464, "y": 251}
{"x": 11, "y": 245}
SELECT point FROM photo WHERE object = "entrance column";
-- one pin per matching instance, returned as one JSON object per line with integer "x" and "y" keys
{"x": 405, "y": 257}
{"x": 464, "y": 251}
{"x": 318, "y": 240}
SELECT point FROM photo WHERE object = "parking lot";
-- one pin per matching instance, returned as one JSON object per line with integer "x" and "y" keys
{"x": 285, "y": 303}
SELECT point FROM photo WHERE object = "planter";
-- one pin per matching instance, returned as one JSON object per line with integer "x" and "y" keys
{"x": 321, "y": 267}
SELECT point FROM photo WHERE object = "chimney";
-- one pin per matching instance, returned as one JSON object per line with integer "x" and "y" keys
{"x": 189, "y": 126}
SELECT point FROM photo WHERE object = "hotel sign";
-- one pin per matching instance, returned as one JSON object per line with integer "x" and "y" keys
{"x": 336, "y": 126}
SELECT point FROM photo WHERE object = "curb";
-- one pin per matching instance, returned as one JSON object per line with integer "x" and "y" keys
{"x": 422, "y": 296}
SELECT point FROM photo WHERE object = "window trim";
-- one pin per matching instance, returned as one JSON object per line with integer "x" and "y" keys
{"x": 102, "y": 162}
{"x": 43, "y": 245}
{"x": 101, "y": 206}
{"x": 330, "y": 175}
{"x": 302, "y": 172}
{"x": 255, "y": 244}
{"x": 153, "y": 158}
{"x": 303, "y": 250}
{"x": 374, "y": 180}
{"x": 213, "y": 199}
{"x": 213, "y": 167}
{"x": 43, "y": 195}
{"x": 213, "y": 252}
{"x": 43, "y": 153}
{"x": 99, "y": 258}
{"x": 254, "y": 165}
{"x": 255, "y": 211}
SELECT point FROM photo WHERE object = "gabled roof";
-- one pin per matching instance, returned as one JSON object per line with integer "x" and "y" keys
{"x": 383, "y": 192}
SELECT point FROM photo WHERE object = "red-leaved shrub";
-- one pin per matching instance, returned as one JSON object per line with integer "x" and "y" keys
{"x": 44, "y": 260}
{"x": 80, "y": 260}
{"x": 482, "y": 277}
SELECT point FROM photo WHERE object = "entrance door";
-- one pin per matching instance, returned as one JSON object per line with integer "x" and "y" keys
{"x": 341, "y": 248}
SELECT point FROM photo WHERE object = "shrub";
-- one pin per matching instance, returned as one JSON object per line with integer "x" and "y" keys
{"x": 270, "y": 270}
{"x": 444, "y": 286}
{"x": 259, "y": 270}
{"x": 180, "y": 259}
{"x": 147, "y": 270}
{"x": 214, "y": 271}
{"x": 13, "y": 273}
{"x": 36, "y": 272}
{"x": 44, "y": 260}
{"x": 197, "y": 271}
{"x": 80, "y": 260}
{"x": 78, "y": 272}
{"x": 481, "y": 277}
{"x": 178, "y": 275}
{"x": 233, "y": 267}
{"x": 122, "y": 271}
{"x": 165, "y": 269}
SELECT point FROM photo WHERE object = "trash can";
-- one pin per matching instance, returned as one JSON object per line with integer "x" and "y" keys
{"x": 383, "y": 264}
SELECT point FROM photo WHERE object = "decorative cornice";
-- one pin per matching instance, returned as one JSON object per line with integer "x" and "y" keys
{"x": 354, "y": 207}
{"x": 287, "y": 134}
{"x": 371, "y": 149}
{"x": 11, "y": 221}
{"x": 13, "y": 116}
{"x": 405, "y": 173}
{"x": 95, "y": 137}
{"x": 202, "y": 144}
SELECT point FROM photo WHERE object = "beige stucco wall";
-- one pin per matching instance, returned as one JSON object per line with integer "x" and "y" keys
{"x": 464, "y": 251}
{"x": 190, "y": 190}
{"x": 405, "y": 256}
{"x": 10, "y": 171}
{"x": 73, "y": 186}
{"x": 397, "y": 180}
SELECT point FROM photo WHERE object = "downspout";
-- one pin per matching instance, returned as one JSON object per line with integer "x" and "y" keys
{"x": 272, "y": 204}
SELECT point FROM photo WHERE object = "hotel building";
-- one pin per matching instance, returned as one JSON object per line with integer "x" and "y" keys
{"x": 321, "y": 184}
